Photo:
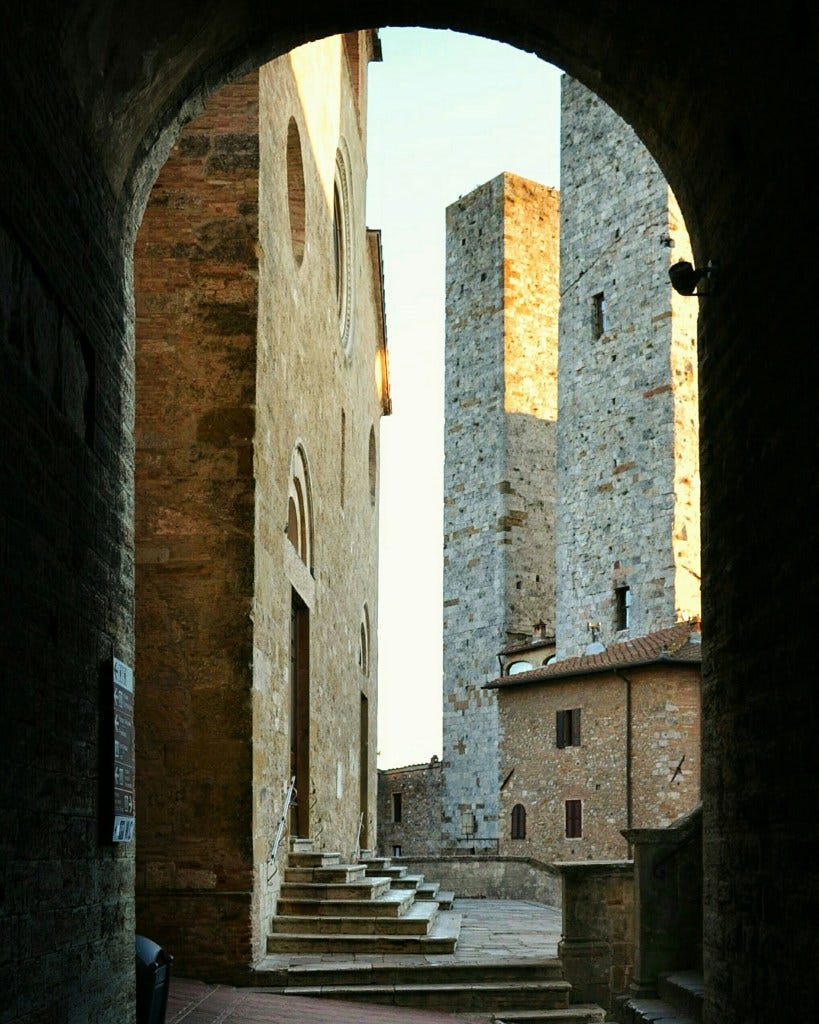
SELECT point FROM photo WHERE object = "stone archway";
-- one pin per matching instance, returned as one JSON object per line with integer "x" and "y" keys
{"x": 721, "y": 98}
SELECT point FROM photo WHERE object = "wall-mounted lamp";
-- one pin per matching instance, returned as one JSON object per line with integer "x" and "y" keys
{"x": 685, "y": 278}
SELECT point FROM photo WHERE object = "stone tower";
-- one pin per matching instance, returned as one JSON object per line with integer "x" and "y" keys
{"x": 628, "y": 540}
{"x": 500, "y": 411}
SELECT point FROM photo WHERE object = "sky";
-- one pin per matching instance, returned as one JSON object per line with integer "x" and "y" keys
{"x": 446, "y": 113}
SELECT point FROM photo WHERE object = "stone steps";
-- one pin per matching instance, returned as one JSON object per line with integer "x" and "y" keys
{"x": 326, "y": 907}
{"x": 385, "y": 871}
{"x": 684, "y": 990}
{"x": 579, "y": 1013}
{"x": 368, "y": 888}
{"x": 311, "y": 859}
{"x": 407, "y": 881}
{"x": 391, "y": 903}
{"x": 326, "y": 874}
{"x": 452, "y": 972}
{"x": 418, "y": 919}
{"x": 483, "y": 997}
{"x": 441, "y": 939}
{"x": 680, "y": 998}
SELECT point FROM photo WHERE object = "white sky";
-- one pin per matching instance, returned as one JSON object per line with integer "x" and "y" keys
{"x": 447, "y": 112}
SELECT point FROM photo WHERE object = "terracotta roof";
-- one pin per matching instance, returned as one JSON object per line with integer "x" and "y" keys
{"x": 678, "y": 645}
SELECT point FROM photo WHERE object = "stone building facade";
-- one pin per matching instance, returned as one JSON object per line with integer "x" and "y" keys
{"x": 612, "y": 554}
{"x": 501, "y": 319}
{"x": 259, "y": 321}
{"x": 93, "y": 96}
{"x": 599, "y": 743}
{"x": 627, "y": 524}
{"x": 409, "y": 810}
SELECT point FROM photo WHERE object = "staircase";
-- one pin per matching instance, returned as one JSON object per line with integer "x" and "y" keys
{"x": 514, "y": 993}
{"x": 327, "y": 907}
{"x": 679, "y": 1001}
{"x": 368, "y": 921}
{"x": 401, "y": 879}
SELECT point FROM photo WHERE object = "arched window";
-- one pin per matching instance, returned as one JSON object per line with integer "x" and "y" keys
{"x": 373, "y": 466}
{"x": 299, "y": 508}
{"x": 364, "y": 648}
{"x": 518, "y": 666}
{"x": 295, "y": 191}
{"x": 342, "y": 249}
{"x": 518, "y": 822}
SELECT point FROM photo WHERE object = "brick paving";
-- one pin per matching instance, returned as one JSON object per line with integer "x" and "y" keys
{"x": 491, "y": 931}
{"x": 193, "y": 1002}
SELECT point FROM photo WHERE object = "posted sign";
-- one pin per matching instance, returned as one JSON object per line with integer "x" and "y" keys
{"x": 123, "y": 735}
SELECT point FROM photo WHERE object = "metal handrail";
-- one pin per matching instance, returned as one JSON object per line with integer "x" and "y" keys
{"x": 274, "y": 849}
{"x": 357, "y": 851}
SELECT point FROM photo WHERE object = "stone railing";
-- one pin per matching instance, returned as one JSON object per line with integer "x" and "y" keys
{"x": 490, "y": 876}
{"x": 597, "y": 947}
{"x": 668, "y": 899}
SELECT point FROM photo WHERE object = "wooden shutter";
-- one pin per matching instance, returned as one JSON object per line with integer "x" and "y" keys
{"x": 560, "y": 728}
{"x": 575, "y": 719}
{"x": 518, "y": 822}
{"x": 574, "y": 819}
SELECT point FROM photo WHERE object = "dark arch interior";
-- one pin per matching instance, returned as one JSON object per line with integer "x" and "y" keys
{"x": 92, "y": 97}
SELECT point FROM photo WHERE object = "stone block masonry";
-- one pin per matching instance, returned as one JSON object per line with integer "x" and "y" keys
{"x": 501, "y": 363}
{"x": 409, "y": 810}
{"x": 627, "y": 450}
{"x": 237, "y": 308}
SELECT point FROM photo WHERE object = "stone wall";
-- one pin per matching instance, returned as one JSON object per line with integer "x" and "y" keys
{"x": 628, "y": 463}
{"x": 316, "y": 389}
{"x": 92, "y": 99}
{"x": 481, "y": 876}
{"x": 597, "y": 947}
{"x": 664, "y": 773}
{"x": 418, "y": 832}
{"x": 501, "y": 332}
{"x": 196, "y": 283}
{"x": 236, "y": 308}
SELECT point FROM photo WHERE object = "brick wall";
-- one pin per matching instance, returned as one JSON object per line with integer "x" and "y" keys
{"x": 228, "y": 321}
{"x": 665, "y": 726}
{"x": 196, "y": 285}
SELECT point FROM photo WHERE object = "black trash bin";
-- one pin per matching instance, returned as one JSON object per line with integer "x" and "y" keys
{"x": 153, "y": 980}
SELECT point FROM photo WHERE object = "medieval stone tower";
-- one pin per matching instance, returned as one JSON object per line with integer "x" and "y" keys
{"x": 628, "y": 538}
{"x": 501, "y": 406}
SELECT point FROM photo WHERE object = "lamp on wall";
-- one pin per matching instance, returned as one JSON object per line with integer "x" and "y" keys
{"x": 685, "y": 278}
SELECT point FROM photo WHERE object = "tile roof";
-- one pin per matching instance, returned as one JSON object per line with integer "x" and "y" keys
{"x": 678, "y": 645}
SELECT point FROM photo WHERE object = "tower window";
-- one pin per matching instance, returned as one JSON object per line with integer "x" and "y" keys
{"x": 622, "y": 597}
{"x": 574, "y": 819}
{"x": 600, "y": 320}
{"x": 568, "y": 728}
{"x": 518, "y": 822}
{"x": 396, "y": 807}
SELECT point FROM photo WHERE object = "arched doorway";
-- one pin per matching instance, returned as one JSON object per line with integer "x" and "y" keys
{"x": 703, "y": 91}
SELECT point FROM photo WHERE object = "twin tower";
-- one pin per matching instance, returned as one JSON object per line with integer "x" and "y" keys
{"x": 571, "y": 431}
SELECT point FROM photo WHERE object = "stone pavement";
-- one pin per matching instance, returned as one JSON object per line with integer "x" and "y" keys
{"x": 491, "y": 931}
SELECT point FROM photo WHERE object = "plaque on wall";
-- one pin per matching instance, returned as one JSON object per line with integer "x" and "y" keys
{"x": 123, "y": 753}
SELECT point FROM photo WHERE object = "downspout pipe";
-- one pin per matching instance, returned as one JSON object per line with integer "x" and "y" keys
{"x": 629, "y": 795}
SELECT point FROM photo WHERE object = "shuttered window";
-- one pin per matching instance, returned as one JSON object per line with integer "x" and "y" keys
{"x": 518, "y": 822}
{"x": 567, "y": 728}
{"x": 574, "y": 819}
